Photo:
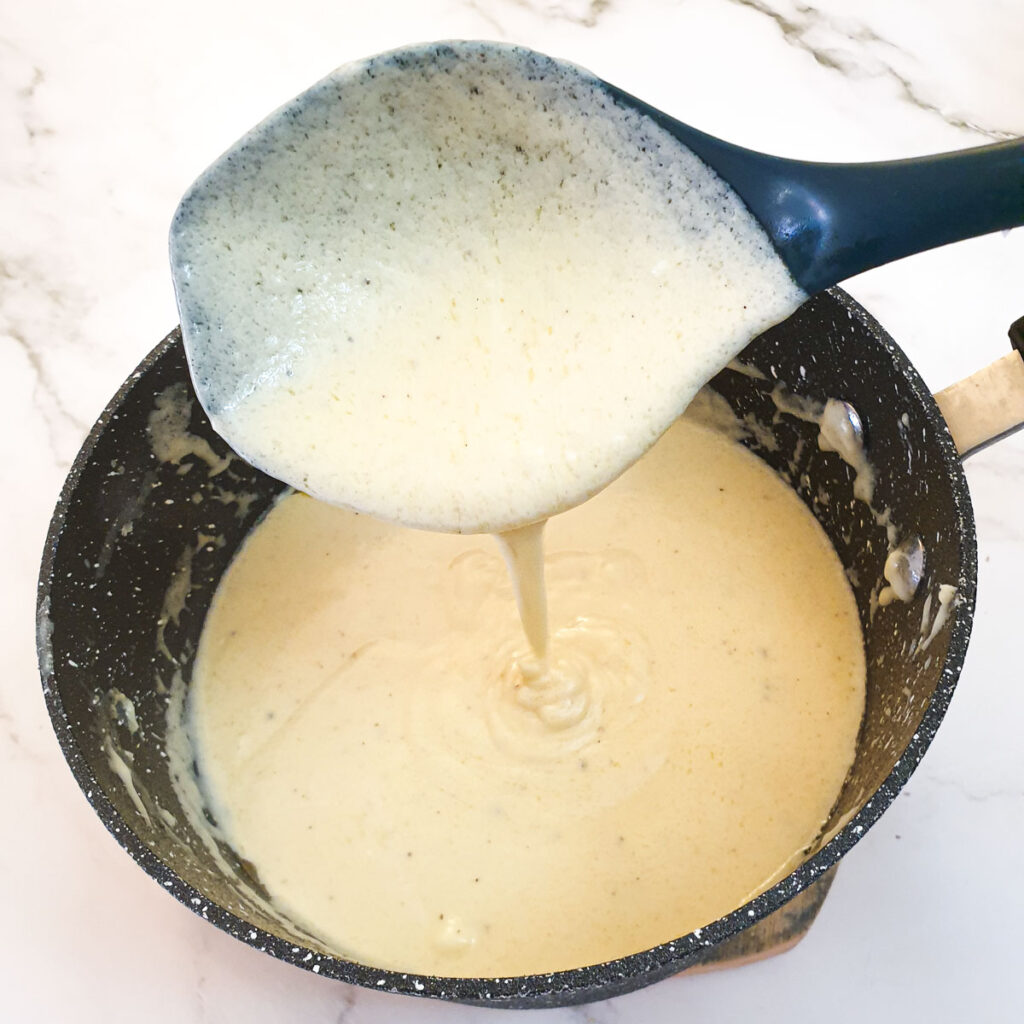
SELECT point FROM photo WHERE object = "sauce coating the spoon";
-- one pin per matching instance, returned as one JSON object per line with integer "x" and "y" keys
{"x": 460, "y": 288}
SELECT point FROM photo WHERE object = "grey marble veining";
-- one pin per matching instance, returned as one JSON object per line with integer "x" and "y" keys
{"x": 852, "y": 48}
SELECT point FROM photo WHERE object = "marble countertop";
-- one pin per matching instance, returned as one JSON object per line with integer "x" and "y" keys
{"x": 108, "y": 110}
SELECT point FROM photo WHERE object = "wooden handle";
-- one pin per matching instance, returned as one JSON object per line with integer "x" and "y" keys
{"x": 779, "y": 931}
{"x": 985, "y": 406}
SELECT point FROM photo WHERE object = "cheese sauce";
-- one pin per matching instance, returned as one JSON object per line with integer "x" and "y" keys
{"x": 374, "y": 735}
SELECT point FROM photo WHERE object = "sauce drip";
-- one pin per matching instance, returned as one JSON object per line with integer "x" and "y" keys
{"x": 524, "y": 555}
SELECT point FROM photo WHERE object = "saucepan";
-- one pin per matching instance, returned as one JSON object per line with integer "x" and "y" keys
{"x": 156, "y": 505}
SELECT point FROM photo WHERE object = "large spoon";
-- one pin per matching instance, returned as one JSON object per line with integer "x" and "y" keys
{"x": 318, "y": 278}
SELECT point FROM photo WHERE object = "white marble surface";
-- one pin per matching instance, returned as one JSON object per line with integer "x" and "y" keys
{"x": 109, "y": 109}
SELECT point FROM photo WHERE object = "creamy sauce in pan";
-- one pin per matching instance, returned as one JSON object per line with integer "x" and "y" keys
{"x": 374, "y": 736}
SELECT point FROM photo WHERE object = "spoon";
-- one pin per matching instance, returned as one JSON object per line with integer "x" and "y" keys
{"x": 304, "y": 257}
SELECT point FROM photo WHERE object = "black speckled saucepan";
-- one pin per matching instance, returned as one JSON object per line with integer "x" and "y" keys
{"x": 140, "y": 538}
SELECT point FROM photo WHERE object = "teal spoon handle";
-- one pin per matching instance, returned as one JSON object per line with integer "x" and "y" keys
{"x": 829, "y": 222}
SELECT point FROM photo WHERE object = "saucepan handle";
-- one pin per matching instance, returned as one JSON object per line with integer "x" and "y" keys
{"x": 988, "y": 405}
